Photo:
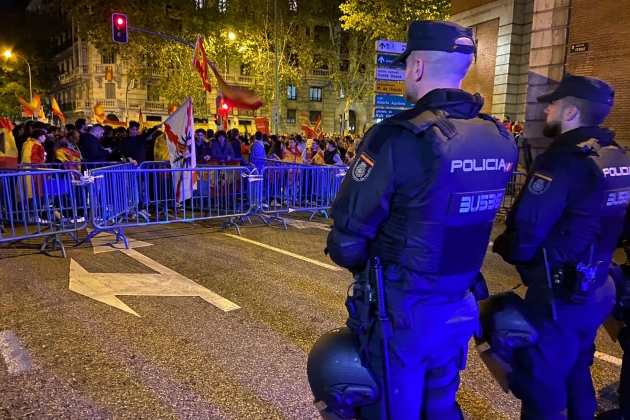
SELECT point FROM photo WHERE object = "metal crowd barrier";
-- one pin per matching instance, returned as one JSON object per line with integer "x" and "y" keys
{"x": 126, "y": 197}
{"x": 288, "y": 188}
{"x": 73, "y": 166}
{"x": 514, "y": 187}
{"x": 41, "y": 204}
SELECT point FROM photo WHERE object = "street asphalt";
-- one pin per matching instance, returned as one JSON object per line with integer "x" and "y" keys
{"x": 68, "y": 356}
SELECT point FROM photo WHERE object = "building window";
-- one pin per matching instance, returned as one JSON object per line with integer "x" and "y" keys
{"x": 200, "y": 4}
{"x": 245, "y": 70}
{"x": 108, "y": 59}
{"x": 110, "y": 90}
{"x": 315, "y": 94}
{"x": 293, "y": 5}
{"x": 291, "y": 116}
{"x": 222, "y": 6}
{"x": 291, "y": 94}
{"x": 153, "y": 92}
{"x": 313, "y": 116}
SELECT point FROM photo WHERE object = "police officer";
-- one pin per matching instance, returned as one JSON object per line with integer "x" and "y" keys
{"x": 561, "y": 235}
{"x": 422, "y": 195}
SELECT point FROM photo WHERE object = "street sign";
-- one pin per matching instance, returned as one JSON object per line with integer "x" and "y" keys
{"x": 391, "y": 101}
{"x": 386, "y": 60}
{"x": 382, "y": 113}
{"x": 389, "y": 87}
{"x": 383, "y": 45}
{"x": 390, "y": 74}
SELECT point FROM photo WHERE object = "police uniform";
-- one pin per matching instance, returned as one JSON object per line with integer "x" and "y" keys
{"x": 422, "y": 195}
{"x": 561, "y": 235}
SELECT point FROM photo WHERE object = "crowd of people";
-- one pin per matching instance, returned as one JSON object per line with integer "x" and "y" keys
{"x": 39, "y": 143}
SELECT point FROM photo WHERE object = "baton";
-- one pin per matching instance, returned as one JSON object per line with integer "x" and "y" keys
{"x": 385, "y": 328}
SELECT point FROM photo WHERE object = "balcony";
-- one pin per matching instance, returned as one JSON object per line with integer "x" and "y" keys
{"x": 155, "y": 106}
{"x": 78, "y": 71}
{"x": 100, "y": 68}
{"x": 320, "y": 72}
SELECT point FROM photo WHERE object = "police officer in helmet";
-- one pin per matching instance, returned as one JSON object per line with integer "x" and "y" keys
{"x": 561, "y": 235}
{"x": 422, "y": 195}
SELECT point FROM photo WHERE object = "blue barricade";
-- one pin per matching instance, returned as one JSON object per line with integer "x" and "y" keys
{"x": 41, "y": 203}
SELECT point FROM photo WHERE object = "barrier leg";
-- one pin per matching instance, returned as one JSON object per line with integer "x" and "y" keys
{"x": 229, "y": 223}
{"x": 278, "y": 218}
{"x": 56, "y": 240}
{"x": 314, "y": 213}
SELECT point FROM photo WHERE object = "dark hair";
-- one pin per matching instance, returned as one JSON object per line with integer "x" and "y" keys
{"x": 234, "y": 132}
{"x": 329, "y": 142}
{"x": 37, "y": 132}
{"x": 298, "y": 139}
{"x": 121, "y": 130}
{"x": 28, "y": 125}
{"x": 39, "y": 125}
{"x": 317, "y": 142}
{"x": 265, "y": 137}
{"x": 80, "y": 123}
{"x": 200, "y": 130}
{"x": 273, "y": 138}
{"x": 276, "y": 149}
{"x": 258, "y": 135}
{"x": 134, "y": 124}
{"x": 591, "y": 113}
{"x": 70, "y": 127}
{"x": 221, "y": 133}
{"x": 109, "y": 131}
{"x": 210, "y": 133}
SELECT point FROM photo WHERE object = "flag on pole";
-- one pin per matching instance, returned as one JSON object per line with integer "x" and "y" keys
{"x": 179, "y": 129}
{"x": 238, "y": 97}
{"x": 57, "y": 111}
{"x": 140, "y": 120}
{"x": 200, "y": 61}
{"x": 306, "y": 127}
{"x": 99, "y": 113}
{"x": 32, "y": 109}
{"x": 319, "y": 131}
{"x": 8, "y": 148}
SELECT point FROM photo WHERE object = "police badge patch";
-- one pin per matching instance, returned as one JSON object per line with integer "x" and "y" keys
{"x": 539, "y": 184}
{"x": 362, "y": 168}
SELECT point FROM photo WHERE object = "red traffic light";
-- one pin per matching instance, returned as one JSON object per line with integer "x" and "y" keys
{"x": 119, "y": 28}
{"x": 225, "y": 107}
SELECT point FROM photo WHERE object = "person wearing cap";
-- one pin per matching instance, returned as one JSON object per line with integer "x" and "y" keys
{"x": 421, "y": 182}
{"x": 561, "y": 234}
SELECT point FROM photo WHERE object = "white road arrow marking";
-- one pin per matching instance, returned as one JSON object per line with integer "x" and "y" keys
{"x": 302, "y": 224}
{"x": 104, "y": 287}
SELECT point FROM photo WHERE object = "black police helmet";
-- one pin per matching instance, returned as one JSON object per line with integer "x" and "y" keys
{"x": 504, "y": 325}
{"x": 338, "y": 381}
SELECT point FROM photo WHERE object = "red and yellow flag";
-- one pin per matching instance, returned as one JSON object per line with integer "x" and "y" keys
{"x": 8, "y": 148}
{"x": 99, "y": 113}
{"x": 238, "y": 97}
{"x": 319, "y": 131}
{"x": 140, "y": 120}
{"x": 57, "y": 111}
{"x": 109, "y": 73}
{"x": 200, "y": 61}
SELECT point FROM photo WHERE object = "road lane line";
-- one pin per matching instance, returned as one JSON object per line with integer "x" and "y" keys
{"x": 15, "y": 355}
{"x": 610, "y": 359}
{"x": 291, "y": 254}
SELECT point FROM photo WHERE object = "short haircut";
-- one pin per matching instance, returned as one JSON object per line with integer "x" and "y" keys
{"x": 591, "y": 113}
{"x": 134, "y": 124}
{"x": 210, "y": 133}
{"x": 95, "y": 126}
{"x": 441, "y": 64}
{"x": 39, "y": 125}
{"x": 258, "y": 135}
{"x": 121, "y": 130}
{"x": 221, "y": 133}
{"x": 71, "y": 127}
{"x": 200, "y": 130}
{"x": 80, "y": 123}
{"x": 37, "y": 132}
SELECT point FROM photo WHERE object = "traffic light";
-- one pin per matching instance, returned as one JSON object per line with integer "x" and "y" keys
{"x": 120, "y": 32}
{"x": 224, "y": 107}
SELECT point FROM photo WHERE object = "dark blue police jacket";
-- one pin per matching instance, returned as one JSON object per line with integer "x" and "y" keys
{"x": 422, "y": 195}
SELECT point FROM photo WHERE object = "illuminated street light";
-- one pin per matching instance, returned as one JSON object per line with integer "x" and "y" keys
{"x": 9, "y": 54}
{"x": 231, "y": 36}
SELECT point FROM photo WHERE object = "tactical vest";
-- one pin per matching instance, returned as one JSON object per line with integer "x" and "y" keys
{"x": 444, "y": 230}
{"x": 594, "y": 213}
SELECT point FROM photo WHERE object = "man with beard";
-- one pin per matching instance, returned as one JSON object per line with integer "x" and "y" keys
{"x": 561, "y": 235}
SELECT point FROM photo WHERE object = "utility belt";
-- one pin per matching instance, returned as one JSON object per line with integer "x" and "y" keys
{"x": 572, "y": 283}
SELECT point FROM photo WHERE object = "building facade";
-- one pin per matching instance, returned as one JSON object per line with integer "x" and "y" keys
{"x": 526, "y": 46}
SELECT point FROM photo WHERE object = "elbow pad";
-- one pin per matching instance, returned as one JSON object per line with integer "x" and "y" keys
{"x": 345, "y": 250}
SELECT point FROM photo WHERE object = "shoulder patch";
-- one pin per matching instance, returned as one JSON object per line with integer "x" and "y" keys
{"x": 362, "y": 167}
{"x": 539, "y": 184}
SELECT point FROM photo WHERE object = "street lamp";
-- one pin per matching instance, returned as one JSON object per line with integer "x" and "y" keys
{"x": 231, "y": 36}
{"x": 9, "y": 54}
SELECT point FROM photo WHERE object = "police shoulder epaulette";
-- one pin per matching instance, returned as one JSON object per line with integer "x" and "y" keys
{"x": 504, "y": 131}
{"x": 425, "y": 120}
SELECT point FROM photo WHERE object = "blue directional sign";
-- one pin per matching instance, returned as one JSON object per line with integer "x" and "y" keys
{"x": 382, "y": 113}
{"x": 391, "y": 101}
{"x": 386, "y": 60}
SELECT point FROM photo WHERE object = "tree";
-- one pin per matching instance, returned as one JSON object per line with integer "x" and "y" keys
{"x": 382, "y": 19}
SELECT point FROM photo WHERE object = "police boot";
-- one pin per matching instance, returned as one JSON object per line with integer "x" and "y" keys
{"x": 611, "y": 415}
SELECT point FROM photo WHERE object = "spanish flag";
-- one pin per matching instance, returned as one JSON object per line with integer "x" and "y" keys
{"x": 8, "y": 148}
{"x": 99, "y": 113}
{"x": 57, "y": 111}
{"x": 140, "y": 120}
{"x": 238, "y": 97}
{"x": 30, "y": 109}
{"x": 109, "y": 73}
{"x": 200, "y": 61}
